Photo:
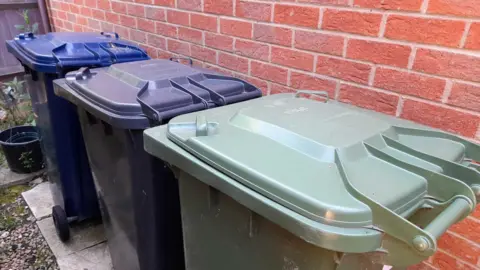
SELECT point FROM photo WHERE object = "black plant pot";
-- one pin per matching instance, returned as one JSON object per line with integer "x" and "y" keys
{"x": 21, "y": 147}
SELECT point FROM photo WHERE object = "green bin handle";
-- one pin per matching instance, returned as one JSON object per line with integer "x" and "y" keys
{"x": 323, "y": 94}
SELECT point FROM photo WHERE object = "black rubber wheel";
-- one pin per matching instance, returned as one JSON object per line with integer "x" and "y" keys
{"x": 61, "y": 223}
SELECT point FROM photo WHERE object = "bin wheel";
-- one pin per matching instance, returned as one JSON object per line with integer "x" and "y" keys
{"x": 61, "y": 223}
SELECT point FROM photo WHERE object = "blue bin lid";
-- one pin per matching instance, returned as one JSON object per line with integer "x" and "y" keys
{"x": 57, "y": 52}
{"x": 136, "y": 95}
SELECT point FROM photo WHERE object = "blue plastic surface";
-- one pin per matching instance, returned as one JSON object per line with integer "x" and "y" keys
{"x": 54, "y": 52}
{"x": 51, "y": 56}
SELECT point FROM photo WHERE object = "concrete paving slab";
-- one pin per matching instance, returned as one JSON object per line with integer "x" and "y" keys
{"x": 9, "y": 178}
{"x": 82, "y": 236}
{"x": 39, "y": 200}
{"x": 92, "y": 258}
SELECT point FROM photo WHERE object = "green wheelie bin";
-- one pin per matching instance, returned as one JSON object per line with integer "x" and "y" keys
{"x": 286, "y": 182}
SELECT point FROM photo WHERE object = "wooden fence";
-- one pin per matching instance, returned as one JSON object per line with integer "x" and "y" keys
{"x": 10, "y": 15}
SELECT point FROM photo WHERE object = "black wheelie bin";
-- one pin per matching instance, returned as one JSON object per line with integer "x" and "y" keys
{"x": 138, "y": 194}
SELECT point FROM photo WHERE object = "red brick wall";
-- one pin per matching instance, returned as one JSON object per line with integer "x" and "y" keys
{"x": 416, "y": 59}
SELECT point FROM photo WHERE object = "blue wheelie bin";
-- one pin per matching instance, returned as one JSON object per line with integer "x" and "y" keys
{"x": 48, "y": 57}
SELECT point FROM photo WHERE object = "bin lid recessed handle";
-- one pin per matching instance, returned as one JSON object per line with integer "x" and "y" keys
{"x": 323, "y": 94}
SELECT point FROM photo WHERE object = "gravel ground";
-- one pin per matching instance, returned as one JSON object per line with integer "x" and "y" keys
{"x": 22, "y": 245}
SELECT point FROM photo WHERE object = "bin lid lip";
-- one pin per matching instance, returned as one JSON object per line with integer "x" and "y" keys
{"x": 311, "y": 156}
{"x": 168, "y": 87}
{"x": 65, "y": 50}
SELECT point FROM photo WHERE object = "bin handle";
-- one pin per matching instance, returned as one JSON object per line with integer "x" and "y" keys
{"x": 110, "y": 34}
{"x": 323, "y": 94}
{"x": 459, "y": 207}
{"x": 176, "y": 59}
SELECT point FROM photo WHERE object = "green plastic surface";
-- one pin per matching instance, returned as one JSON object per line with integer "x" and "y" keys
{"x": 335, "y": 165}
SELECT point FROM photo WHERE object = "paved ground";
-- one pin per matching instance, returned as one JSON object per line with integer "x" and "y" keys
{"x": 87, "y": 247}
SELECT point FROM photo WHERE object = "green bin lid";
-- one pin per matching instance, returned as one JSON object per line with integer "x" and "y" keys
{"x": 337, "y": 165}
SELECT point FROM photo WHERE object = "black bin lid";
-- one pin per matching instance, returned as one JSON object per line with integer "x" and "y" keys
{"x": 130, "y": 94}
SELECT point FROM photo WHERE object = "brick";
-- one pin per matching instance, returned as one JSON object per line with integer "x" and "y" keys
{"x": 444, "y": 261}
{"x": 87, "y": 12}
{"x": 98, "y": 14}
{"x": 72, "y": 18}
{"x": 269, "y": 72}
{"x": 178, "y": 17}
{"x": 465, "y": 96}
{"x": 296, "y": 15}
{"x": 190, "y": 4}
{"x": 107, "y": 27}
{"x": 468, "y": 228}
{"x": 178, "y": 47}
{"x": 136, "y": 10}
{"x": 122, "y": 31}
{"x": 156, "y": 41}
{"x": 448, "y": 64}
{"x": 203, "y": 54}
{"x": 327, "y": 2}
{"x": 190, "y": 35}
{"x": 163, "y": 54}
{"x": 291, "y": 58}
{"x": 425, "y": 30}
{"x": 91, "y": 23}
{"x": 69, "y": 26}
{"x": 308, "y": 82}
{"x": 236, "y": 28}
{"x": 148, "y": 2}
{"x": 379, "y": 52}
{"x": 103, "y": 5}
{"x": 155, "y": 13}
{"x": 119, "y": 7}
{"x": 410, "y": 83}
{"x": 204, "y": 22}
{"x": 74, "y": 9}
{"x": 146, "y": 25}
{"x": 62, "y": 15}
{"x": 165, "y": 3}
{"x": 112, "y": 17}
{"x": 363, "y": 23}
{"x": 78, "y": 2}
{"x": 280, "y": 89}
{"x": 88, "y": 3}
{"x": 476, "y": 212}
{"x": 128, "y": 20}
{"x": 369, "y": 99}
{"x": 223, "y": 7}
{"x": 272, "y": 34}
{"x": 254, "y": 11}
{"x": 444, "y": 118}
{"x": 473, "y": 38}
{"x": 343, "y": 69}
{"x": 252, "y": 49}
{"x": 233, "y": 62}
{"x": 408, "y": 5}
{"x": 79, "y": 28}
{"x": 82, "y": 20}
{"x": 138, "y": 36}
{"x": 463, "y": 8}
{"x": 319, "y": 42}
{"x": 165, "y": 29}
{"x": 220, "y": 42}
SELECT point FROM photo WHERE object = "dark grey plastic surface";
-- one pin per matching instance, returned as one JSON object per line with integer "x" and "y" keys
{"x": 129, "y": 94}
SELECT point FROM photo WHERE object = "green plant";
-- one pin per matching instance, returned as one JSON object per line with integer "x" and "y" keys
{"x": 26, "y": 159}
{"x": 27, "y": 27}
{"x": 15, "y": 102}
